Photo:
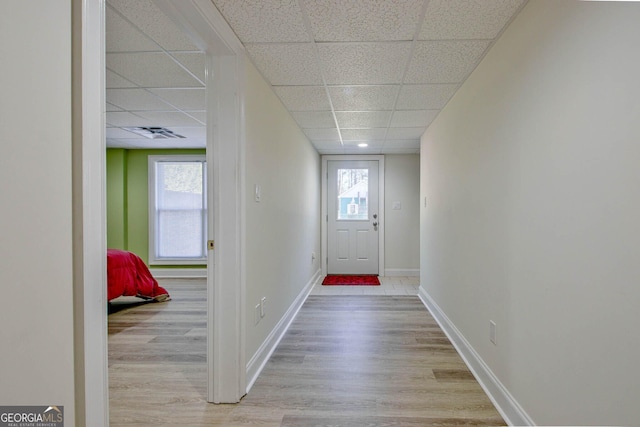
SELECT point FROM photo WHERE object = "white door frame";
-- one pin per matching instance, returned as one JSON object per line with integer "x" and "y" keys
{"x": 225, "y": 148}
{"x": 226, "y": 360}
{"x": 324, "y": 218}
{"x": 89, "y": 215}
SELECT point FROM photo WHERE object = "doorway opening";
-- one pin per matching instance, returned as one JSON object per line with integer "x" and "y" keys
{"x": 224, "y": 150}
{"x": 353, "y": 225}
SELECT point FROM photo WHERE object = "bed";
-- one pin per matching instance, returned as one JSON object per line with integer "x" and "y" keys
{"x": 128, "y": 275}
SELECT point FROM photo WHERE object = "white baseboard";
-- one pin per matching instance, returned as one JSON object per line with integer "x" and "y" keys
{"x": 405, "y": 272}
{"x": 506, "y": 404}
{"x": 178, "y": 273}
{"x": 260, "y": 358}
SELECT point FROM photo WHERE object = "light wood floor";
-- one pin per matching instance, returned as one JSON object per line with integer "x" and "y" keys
{"x": 346, "y": 361}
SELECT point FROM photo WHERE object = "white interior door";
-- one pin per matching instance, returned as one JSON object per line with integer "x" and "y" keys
{"x": 353, "y": 219}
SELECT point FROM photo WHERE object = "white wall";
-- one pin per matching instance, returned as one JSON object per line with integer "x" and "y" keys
{"x": 283, "y": 229}
{"x": 531, "y": 174}
{"x": 36, "y": 308}
{"x": 402, "y": 243}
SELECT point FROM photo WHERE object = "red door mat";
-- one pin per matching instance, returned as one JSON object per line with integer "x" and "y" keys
{"x": 351, "y": 280}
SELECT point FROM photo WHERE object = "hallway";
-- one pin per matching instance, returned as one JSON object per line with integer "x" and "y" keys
{"x": 346, "y": 360}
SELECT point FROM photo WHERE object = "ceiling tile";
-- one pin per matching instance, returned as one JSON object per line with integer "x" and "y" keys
{"x": 314, "y": 119}
{"x": 363, "y": 119}
{"x": 115, "y": 81}
{"x": 393, "y": 150}
{"x": 187, "y": 132}
{"x": 147, "y": 143}
{"x": 168, "y": 118}
{"x": 124, "y": 118}
{"x": 331, "y": 152}
{"x": 191, "y": 131}
{"x": 372, "y": 143}
{"x": 464, "y": 19}
{"x": 363, "y": 98}
{"x": 406, "y": 133}
{"x": 363, "y": 20}
{"x": 362, "y": 134}
{"x": 402, "y": 143}
{"x": 136, "y": 100}
{"x": 323, "y": 134}
{"x": 425, "y": 97}
{"x": 448, "y": 61}
{"x": 121, "y": 36}
{"x": 363, "y": 63}
{"x": 265, "y": 20}
{"x": 183, "y": 98}
{"x": 327, "y": 145}
{"x": 194, "y": 62}
{"x": 360, "y": 150}
{"x": 286, "y": 64}
{"x": 413, "y": 118}
{"x": 409, "y": 146}
{"x": 112, "y": 132}
{"x": 303, "y": 98}
{"x": 146, "y": 15}
{"x": 110, "y": 107}
{"x": 150, "y": 70}
{"x": 200, "y": 116}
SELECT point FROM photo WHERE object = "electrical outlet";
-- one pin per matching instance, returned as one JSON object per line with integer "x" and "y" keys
{"x": 263, "y": 305}
{"x": 257, "y": 316}
{"x": 492, "y": 332}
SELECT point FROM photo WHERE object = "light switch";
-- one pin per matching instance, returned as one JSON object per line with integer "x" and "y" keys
{"x": 258, "y": 192}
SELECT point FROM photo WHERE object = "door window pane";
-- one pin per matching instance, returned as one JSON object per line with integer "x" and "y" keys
{"x": 353, "y": 194}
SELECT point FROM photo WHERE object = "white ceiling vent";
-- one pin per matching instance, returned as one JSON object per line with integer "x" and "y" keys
{"x": 154, "y": 132}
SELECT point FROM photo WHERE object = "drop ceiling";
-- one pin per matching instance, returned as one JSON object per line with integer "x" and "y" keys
{"x": 349, "y": 71}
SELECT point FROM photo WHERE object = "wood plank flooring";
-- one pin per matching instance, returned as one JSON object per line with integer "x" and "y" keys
{"x": 346, "y": 361}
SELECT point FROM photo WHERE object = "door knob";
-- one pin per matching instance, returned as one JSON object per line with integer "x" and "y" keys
{"x": 375, "y": 224}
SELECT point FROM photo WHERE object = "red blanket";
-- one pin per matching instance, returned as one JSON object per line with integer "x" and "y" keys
{"x": 128, "y": 275}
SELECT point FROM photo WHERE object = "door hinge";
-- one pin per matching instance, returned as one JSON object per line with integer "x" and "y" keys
{"x": 327, "y": 220}
{"x": 211, "y": 245}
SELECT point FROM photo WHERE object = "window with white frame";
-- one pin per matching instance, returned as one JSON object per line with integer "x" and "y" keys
{"x": 177, "y": 210}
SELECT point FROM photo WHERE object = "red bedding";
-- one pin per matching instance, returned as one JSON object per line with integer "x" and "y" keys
{"x": 128, "y": 275}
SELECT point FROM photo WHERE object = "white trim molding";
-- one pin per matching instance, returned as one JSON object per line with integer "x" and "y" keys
{"x": 260, "y": 358}
{"x": 402, "y": 272}
{"x": 89, "y": 215}
{"x": 504, "y": 402}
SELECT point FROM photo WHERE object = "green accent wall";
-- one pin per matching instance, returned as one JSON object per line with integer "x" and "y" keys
{"x": 116, "y": 198}
{"x": 128, "y": 199}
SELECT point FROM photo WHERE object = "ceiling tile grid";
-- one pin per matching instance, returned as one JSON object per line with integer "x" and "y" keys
{"x": 154, "y": 78}
{"x": 348, "y": 71}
